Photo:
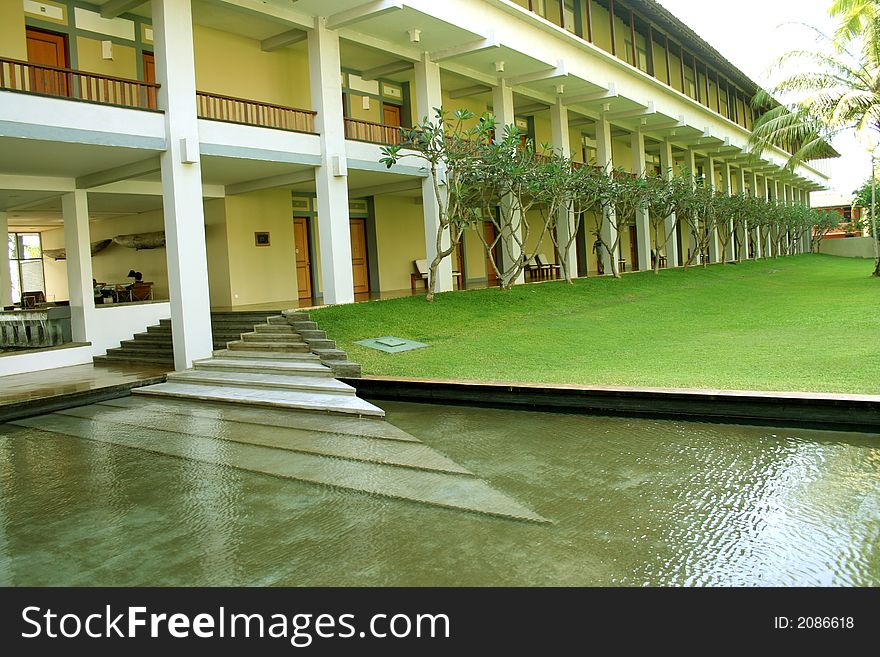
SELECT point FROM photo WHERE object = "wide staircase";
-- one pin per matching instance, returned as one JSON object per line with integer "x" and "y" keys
{"x": 285, "y": 362}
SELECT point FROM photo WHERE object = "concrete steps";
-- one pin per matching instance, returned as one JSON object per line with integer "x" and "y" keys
{"x": 266, "y": 365}
{"x": 364, "y": 456}
{"x": 262, "y": 381}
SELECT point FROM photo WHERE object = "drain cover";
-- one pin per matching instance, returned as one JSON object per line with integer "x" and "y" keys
{"x": 391, "y": 345}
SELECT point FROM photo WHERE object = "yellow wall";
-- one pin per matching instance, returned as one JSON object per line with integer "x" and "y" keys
{"x": 357, "y": 111}
{"x": 601, "y": 27}
{"x": 622, "y": 154}
{"x": 234, "y": 65}
{"x": 12, "y": 41}
{"x": 218, "y": 252}
{"x": 474, "y": 255}
{"x": 260, "y": 274}
{"x": 113, "y": 263}
{"x": 400, "y": 239}
{"x": 532, "y": 245}
{"x": 123, "y": 64}
{"x": 660, "y": 63}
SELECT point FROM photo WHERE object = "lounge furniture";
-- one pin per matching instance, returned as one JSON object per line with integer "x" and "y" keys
{"x": 141, "y": 291}
{"x": 421, "y": 274}
{"x": 621, "y": 264}
{"x": 549, "y": 270}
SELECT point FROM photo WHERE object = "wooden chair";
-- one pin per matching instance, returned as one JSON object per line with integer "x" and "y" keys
{"x": 548, "y": 268}
{"x": 420, "y": 273}
{"x": 142, "y": 291}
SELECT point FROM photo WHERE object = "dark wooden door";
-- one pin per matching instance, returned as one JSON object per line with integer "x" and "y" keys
{"x": 47, "y": 49}
{"x": 634, "y": 250}
{"x": 489, "y": 234}
{"x": 150, "y": 76}
{"x": 391, "y": 115}
{"x": 303, "y": 262}
{"x": 359, "y": 264}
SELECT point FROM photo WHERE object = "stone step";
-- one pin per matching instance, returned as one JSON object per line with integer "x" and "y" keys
{"x": 303, "y": 326}
{"x": 162, "y": 346}
{"x": 267, "y": 346}
{"x": 296, "y": 367}
{"x": 313, "y": 422}
{"x": 159, "y": 329}
{"x": 345, "y": 369}
{"x": 458, "y": 491}
{"x": 330, "y": 354}
{"x": 356, "y": 448}
{"x": 128, "y": 357}
{"x": 283, "y": 338}
{"x": 296, "y": 316}
{"x": 319, "y": 402}
{"x": 255, "y": 316}
{"x": 261, "y": 380}
{"x": 153, "y": 337}
{"x": 301, "y": 356}
{"x": 277, "y": 320}
{"x": 305, "y": 335}
{"x": 320, "y": 343}
{"x": 284, "y": 329}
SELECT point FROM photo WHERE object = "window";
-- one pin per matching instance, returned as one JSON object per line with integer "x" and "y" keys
{"x": 26, "y": 264}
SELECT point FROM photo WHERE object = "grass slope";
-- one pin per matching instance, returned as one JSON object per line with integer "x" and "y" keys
{"x": 803, "y": 323}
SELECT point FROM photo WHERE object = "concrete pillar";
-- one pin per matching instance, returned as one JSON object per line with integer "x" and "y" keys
{"x": 727, "y": 188}
{"x": 5, "y": 278}
{"x": 714, "y": 245}
{"x": 331, "y": 177}
{"x": 429, "y": 98}
{"x": 77, "y": 244}
{"x": 186, "y": 253}
{"x": 605, "y": 159}
{"x": 643, "y": 225}
{"x": 502, "y": 106}
{"x": 691, "y": 164}
{"x": 565, "y": 222}
{"x": 743, "y": 229}
{"x": 666, "y": 170}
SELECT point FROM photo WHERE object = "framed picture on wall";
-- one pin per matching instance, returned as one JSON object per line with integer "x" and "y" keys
{"x": 262, "y": 239}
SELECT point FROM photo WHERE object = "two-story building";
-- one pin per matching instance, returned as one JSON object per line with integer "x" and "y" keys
{"x": 249, "y": 133}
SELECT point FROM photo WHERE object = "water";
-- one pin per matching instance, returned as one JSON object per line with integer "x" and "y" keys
{"x": 633, "y": 502}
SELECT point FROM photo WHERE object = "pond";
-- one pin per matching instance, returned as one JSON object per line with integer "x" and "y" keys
{"x": 631, "y": 502}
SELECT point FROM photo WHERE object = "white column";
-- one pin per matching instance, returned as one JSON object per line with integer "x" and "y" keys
{"x": 605, "y": 159}
{"x": 186, "y": 253}
{"x": 77, "y": 244}
{"x": 691, "y": 165}
{"x": 502, "y": 106}
{"x": 565, "y": 221}
{"x": 773, "y": 233}
{"x": 643, "y": 226}
{"x": 727, "y": 188}
{"x": 331, "y": 177}
{"x": 743, "y": 229}
{"x": 5, "y": 278}
{"x": 670, "y": 250}
{"x": 429, "y": 98}
{"x": 757, "y": 194}
{"x": 714, "y": 246}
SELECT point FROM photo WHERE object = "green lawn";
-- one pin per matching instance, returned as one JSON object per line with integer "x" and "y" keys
{"x": 807, "y": 323}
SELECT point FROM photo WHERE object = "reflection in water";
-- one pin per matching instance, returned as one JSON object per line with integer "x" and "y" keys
{"x": 634, "y": 502}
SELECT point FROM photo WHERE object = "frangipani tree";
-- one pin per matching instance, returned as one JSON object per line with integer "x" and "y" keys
{"x": 664, "y": 196}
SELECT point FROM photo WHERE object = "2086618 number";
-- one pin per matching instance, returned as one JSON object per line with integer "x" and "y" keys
{"x": 825, "y": 622}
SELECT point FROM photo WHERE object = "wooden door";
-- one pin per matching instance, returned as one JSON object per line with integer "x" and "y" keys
{"x": 150, "y": 76}
{"x": 634, "y": 250}
{"x": 47, "y": 49}
{"x": 391, "y": 115}
{"x": 490, "y": 234}
{"x": 303, "y": 262}
{"x": 359, "y": 264}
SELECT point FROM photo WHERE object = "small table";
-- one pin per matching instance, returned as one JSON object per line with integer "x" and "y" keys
{"x": 621, "y": 264}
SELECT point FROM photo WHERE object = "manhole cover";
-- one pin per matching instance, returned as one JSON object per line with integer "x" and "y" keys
{"x": 391, "y": 345}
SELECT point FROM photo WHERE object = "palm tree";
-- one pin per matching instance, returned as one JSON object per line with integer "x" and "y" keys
{"x": 834, "y": 90}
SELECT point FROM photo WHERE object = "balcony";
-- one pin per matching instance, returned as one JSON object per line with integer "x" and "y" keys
{"x": 42, "y": 80}
{"x": 39, "y": 79}
{"x": 250, "y": 112}
{"x": 373, "y": 133}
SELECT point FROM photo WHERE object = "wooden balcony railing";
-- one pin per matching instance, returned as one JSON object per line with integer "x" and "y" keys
{"x": 16, "y": 75}
{"x": 375, "y": 133}
{"x": 251, "y": 112}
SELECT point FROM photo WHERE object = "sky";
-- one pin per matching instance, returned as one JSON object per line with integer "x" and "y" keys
{"x": 752, "y": 34}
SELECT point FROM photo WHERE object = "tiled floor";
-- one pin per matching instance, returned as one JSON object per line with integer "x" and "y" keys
{"x": 27, "y": 387}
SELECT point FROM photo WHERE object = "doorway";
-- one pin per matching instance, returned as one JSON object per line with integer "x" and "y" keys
{"x": 489, "y": 234}
{"x": 391, "y": 115}
{"x": 634, "y": 249}
{"x": 47, "y": 49}
{"x": 360, "y": 268}
{"x": 150, "y": 76}
{"x": 303, "y": 257}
